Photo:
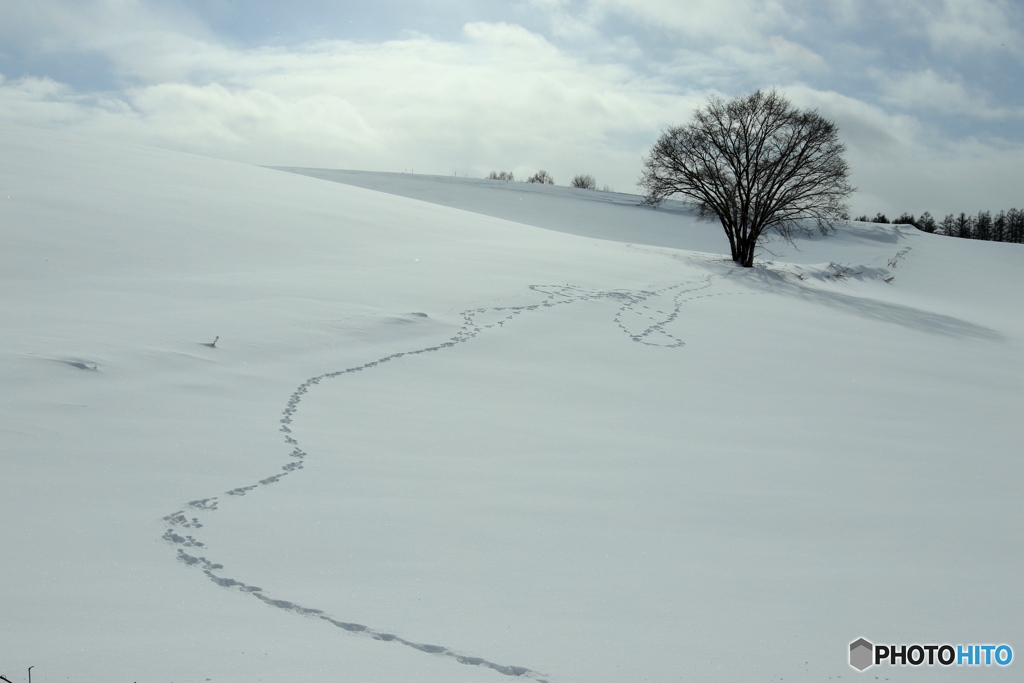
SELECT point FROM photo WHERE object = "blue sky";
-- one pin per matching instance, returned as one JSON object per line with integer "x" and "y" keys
{"x": 929, "y": 94}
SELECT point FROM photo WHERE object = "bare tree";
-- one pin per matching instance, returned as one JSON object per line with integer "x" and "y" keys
{"x": 542, "y": 177}
{"x": 756, "y": 163}
{"x": 585, "y": 182}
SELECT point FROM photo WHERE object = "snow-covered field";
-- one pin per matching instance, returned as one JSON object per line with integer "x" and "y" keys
{"x": 511, "y": 432}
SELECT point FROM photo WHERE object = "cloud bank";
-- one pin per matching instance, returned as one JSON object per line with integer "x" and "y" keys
{"x": 563, "y": 85}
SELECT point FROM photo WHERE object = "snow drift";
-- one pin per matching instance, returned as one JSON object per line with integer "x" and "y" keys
{"x": 509, "y": 432}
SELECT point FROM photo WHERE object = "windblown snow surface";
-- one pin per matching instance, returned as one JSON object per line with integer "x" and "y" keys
{"x": 257, "y": 425}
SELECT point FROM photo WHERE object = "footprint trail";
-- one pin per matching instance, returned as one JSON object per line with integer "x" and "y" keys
{"x": 643, "y": 315}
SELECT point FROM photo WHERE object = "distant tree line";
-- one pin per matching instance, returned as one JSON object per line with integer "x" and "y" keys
{"x": 1005, "y": 226}
{"x": 581, "y": 181}
{"x": 542, "y": 177}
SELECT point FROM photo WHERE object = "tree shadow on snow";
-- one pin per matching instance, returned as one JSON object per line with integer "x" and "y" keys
{"x": 871, "y": 309}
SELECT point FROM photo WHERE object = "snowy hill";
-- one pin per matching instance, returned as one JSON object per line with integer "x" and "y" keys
{"x": 507, "y": 433}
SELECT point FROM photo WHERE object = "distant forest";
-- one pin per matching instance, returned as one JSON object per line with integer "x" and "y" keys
{"x": 1005, "y": 226}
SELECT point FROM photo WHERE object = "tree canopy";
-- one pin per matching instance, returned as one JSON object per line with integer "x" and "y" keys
{"x": 756, "y": 163}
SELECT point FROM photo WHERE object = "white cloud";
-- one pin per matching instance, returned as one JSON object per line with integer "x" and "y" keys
{"x": 733, "y": 21}
{"x": 568, "y": 22}
{"x": 951, "y": 27}
{"x": 870, "y": 132}
{"x": 499, "y": 97}
{"x": 901, "y": 164}
{"x": 117, "y": 28}
{"x": 775, "y": 61}
{"x": 964, "y": 26}
{"x": 741, "y": 41}
{"x": 927, "y": 90}
{"x": 796, "y": 55}
{"x": 502, "y": 97}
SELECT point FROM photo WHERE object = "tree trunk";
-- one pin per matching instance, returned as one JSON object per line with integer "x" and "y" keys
{"x": 743, "y": 252}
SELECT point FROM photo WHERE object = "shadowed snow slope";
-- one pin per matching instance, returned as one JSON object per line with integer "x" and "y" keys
{"x": 588, "y": 213}
{"x": 257, "y": 425}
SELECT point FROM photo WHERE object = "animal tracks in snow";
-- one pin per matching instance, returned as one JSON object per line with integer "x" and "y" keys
{"x": 643, "y": 315}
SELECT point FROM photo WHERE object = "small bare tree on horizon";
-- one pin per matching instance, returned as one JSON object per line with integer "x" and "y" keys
{"x": 756, "y": 163}
{"x": 585, "y": 182}
{"x": 542, "y": 177}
